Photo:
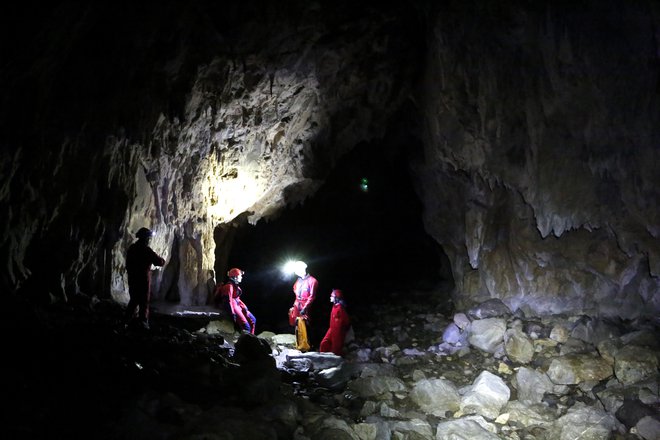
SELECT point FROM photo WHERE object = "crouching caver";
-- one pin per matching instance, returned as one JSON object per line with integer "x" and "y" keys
{"x": 228, "y": 297}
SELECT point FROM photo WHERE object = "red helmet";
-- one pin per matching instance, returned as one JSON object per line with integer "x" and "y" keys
{"x": 337, "y": 293}
{"x": 234, "y": 272}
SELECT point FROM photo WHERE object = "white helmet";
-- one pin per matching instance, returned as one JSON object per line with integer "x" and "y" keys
{"x": 300, "y": 268}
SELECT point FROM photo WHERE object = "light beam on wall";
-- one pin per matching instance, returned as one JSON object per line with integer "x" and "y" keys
{"x": 231, "y": 192}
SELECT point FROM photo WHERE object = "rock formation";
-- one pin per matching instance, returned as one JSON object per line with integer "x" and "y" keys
{"x": 180, "y": 118}
{"x": 540, "y": 146}
{"x": 538, "y": 125}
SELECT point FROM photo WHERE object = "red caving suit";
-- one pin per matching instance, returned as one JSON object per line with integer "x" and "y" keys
{"x": 305, "y": 291}
{"x": 229, "y": 294}
{"x": 336, "y": 334}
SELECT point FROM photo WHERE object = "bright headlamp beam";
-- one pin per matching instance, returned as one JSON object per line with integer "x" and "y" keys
{"x": 294, "y": 266}
{"x": 289, "y": 267}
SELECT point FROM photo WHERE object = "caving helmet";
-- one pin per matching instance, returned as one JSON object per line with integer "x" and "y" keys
{"x": 143, "y": 233}
{"x": 300, "y": 268}
{"x": 234, "y": 272}
{"x": 337, "y": 293}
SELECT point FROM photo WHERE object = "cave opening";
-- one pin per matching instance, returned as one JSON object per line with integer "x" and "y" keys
{"x": 361, "y": 232}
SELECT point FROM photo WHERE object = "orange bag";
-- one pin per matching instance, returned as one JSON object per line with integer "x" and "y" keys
{"x": 302, "y": 343}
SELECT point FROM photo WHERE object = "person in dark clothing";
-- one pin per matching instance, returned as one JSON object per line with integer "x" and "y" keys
{"x": 139, "y": 259}
{"x": 211, "y": 285}
{"x": 228, "y": 296}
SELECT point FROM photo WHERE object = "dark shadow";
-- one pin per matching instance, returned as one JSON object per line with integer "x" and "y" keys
{"x": 361, "y": 232}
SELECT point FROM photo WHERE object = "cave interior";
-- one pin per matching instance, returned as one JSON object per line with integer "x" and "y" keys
{"x": 479, "y": 180}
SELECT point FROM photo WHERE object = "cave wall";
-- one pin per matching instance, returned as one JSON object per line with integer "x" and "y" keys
{"x": 179, "y": 118}
{"x": 539, "y": 124}
{"x": 542, "y": 142}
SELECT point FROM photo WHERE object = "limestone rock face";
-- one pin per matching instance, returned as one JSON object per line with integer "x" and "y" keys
{"x": 538, "y": 177}
{"x": 487, "y": 334}
{"x": 572, "y": 369}
{"x": 585, "y": 422}
{"x": 634, "y": 364}
{"x": 541, "y": 144}
{"x": 532, "y": 385}
{"x": 486, "y": 396}
{"x": 209, "y": 113}
{"x": 436, "y": 396}
{"x": 518, "y": 346}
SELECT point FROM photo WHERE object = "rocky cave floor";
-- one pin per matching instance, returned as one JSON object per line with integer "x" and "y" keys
{"x": 413, "y": 371}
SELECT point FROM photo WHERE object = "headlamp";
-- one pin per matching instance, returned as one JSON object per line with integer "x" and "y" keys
{"x": 289, "y": 267}
{"x": 294, "y": 266}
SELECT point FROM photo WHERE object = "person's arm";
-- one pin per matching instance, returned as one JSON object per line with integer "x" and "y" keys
{"x": 156, "y": 260}
{"x": 235, "y": 309}
{"x": 242, "y": 305}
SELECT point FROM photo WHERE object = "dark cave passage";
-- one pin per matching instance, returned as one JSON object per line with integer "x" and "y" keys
{"x": 362, "y": 232}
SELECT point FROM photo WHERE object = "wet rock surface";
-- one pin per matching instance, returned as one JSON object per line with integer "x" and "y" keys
{"x": 191, "y": 376}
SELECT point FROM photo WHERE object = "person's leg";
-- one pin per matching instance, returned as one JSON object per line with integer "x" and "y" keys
{"x": 143, "y": 303}
{"x": 241, "y": 320}
{"x": 147, "y": 306}
{"x": 130, "y": 309}
{"x": 338, "y": 342}
{"x": 252, "y": 321}
{"x": 326, "y": 343}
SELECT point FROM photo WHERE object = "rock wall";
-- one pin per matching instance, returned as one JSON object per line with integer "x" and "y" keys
{"x": 539, "y": 124}
{"x": 179, "y": 118}
{"x": 542, "y": 141}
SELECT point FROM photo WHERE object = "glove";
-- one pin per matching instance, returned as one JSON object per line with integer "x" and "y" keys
{"x": 292, "y": 319}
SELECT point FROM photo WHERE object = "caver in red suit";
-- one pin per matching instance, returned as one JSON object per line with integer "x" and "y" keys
{"x": 228, "y": 296}
{"x": 139, "y": 259}
{"x": 339, "y": 325}
{"x": 304, "y": 290}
